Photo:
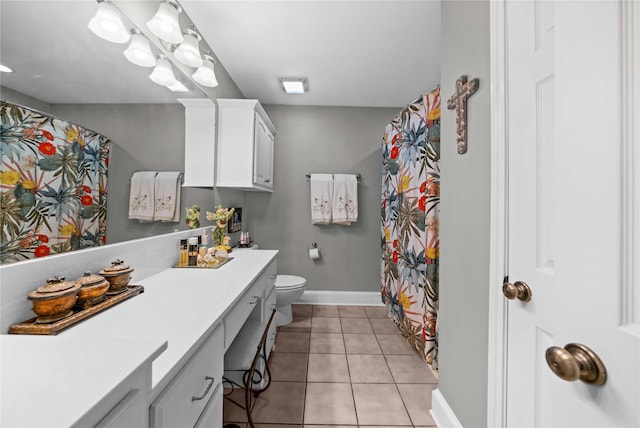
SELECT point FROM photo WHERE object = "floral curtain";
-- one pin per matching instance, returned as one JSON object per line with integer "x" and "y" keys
{"x": 410, "y": 219}
{"x": 53, "y": 185}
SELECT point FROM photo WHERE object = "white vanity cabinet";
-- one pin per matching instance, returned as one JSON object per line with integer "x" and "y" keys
{"x": 246, "y": 139}
{"x": 199, "y": 142}
{"x": 194, "y": 395}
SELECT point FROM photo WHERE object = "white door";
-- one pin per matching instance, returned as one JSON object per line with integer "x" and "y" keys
{"x": 570, "y": 235}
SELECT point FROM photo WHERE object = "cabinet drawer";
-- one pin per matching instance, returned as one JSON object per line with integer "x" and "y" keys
{"x": 234, "y": 320}
{"x": 183, "y": 401}
{"x": 212, "y": 415}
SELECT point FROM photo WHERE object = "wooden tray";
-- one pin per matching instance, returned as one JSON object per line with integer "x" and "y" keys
{"x": 31, "y": 327}
{"x": 227, "y": 260}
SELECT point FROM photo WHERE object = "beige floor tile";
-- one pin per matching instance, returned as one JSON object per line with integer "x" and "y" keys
{"x": 288, "y": 366}
{"x": 231, "y": 412}
{"x": 368, "y": 369}
{"x": 355, "y": 325}
{"x": 329, "y": 404}
{"x": 330, "y": 311}
{"x": 331, "y": 426}
{"x": 417, "y": 400}
{"x": 326, "y": 343}
{"x": 326, "y": 325}
{"x": 379, "y": 404}
{"x": 299, "y": 324}
{"x": 292, "y": 342}
{"x": 352, "y": 312}
{"x": 383, "y": 326}
{"x": 301, "y": 310}
{"x": 361, "y": 344}
{"x": 376, "y": 311}
{"x": 279, "y": 426}
{"x": 395, "y": 344}
{"x": 282, "y": 403}
{"x": 409, "y": 369}
{"x": 328, "y": 368}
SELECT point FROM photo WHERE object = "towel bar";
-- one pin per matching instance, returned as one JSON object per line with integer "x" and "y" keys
{"x": 357, "y": 176}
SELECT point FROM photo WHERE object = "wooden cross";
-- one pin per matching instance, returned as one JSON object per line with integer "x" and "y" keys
{"x": 458, "y": 101}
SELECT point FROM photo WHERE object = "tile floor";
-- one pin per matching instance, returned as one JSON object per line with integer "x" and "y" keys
{"x": 342, "y": 367}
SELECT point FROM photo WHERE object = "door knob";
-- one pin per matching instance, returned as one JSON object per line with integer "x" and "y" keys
{"x": 576, "y": 361}
{"x": 519, "y": 290}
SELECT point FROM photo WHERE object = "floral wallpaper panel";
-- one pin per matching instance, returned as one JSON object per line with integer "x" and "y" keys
{"x": 53, "y": 185}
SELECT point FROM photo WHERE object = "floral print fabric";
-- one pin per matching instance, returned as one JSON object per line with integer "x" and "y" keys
{"x": 53, "y": 185}
{"x": 410, "y": 218}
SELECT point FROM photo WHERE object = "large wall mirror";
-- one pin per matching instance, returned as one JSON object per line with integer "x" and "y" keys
{"x": 60, "y": 67}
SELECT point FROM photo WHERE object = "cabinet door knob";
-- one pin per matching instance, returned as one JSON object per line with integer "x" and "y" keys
{"x": 206, "y": 391}
{"x": 255, "y": 300}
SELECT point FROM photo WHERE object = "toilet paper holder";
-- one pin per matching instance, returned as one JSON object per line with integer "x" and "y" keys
{"x": 314, "y": 251}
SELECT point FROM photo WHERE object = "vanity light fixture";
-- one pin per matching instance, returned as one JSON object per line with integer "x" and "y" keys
{"x": 188, "y": 52}
{"x": 107, "y": 23}
{"x": 294, "y": 85}
{"x": 5, "y": 69}
{"x": 162, "y": 74}
{"x": 165, "y": 23}
{"x": 139, "y": 50}
{"x": 205, "y": 75}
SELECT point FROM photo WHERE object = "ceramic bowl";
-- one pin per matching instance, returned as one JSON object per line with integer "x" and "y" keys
{"x": 92, "y": 289}
{"x": 54, "y": 301}
{"x": 118, "y": 275}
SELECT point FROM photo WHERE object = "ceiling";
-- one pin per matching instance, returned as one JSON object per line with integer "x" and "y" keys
{"x": 355, "y": 53}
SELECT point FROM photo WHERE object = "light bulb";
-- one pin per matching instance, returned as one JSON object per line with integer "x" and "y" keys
{"x": 162, "y": 74}
{"x": 139, "y": 51}
{"x": 165, "y": 25}
{"x": 188, "y": 52}
{"x": 108, "y": 25}
{"x": 205, "y": 74}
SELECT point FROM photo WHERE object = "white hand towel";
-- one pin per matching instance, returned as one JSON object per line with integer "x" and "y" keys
{"x": 345, "y": 199}
{"x": 141, "y": 195}
{"x": 321, "y": 191}
{"x": 167, "y": 196}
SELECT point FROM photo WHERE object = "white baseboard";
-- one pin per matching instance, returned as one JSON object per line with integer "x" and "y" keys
{"x": 441, "y": 413}
{"x": 329, "y": 297}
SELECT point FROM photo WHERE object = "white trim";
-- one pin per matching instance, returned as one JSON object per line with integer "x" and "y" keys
{"x": 330, "y": 297}
{"x": 498, "y": 254}
{"x": 630, "y": 163}
{"x": 442, "y": 413}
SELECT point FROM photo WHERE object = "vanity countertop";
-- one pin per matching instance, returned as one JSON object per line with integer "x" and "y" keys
{"x": 166, "y": 324}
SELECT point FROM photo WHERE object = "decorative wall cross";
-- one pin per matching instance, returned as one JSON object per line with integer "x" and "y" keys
{"x": 458, "y": 101}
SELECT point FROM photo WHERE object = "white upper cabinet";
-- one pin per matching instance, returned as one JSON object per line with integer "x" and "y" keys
{"x": 246, "y": 140}
{"x": 199, "y": 142}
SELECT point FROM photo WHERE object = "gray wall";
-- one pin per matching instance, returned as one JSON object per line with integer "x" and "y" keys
{"x": 464, "y": 227}
{"x": 145, "y": 137}
{"x": 323, "y": 139}
{"x": 21, "y": 99}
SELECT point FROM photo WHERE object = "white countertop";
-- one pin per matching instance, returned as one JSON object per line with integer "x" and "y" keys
{"x": 179, "y": 306}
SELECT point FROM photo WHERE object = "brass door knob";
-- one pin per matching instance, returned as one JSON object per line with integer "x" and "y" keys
{"x": 576, "y": 361}
{"x": 518, "y": 290}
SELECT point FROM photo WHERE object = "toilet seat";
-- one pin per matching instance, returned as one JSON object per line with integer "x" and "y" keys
{"x": 289, "y": 282}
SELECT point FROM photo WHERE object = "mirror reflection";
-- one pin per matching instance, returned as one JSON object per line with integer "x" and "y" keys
{"x": 62, "y": 69}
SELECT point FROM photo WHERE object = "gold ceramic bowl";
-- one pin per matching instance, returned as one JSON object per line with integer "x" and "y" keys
{"x": 92, "y": 289}
{"x": 54, "y": 301}
{"x": 118, "y": 275}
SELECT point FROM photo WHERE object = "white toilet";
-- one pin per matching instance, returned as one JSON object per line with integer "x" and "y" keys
{"x": 289, "y": 288}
